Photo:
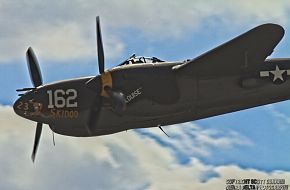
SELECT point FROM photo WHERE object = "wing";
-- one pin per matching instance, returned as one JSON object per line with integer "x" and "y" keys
{"x": 241, "y": 54}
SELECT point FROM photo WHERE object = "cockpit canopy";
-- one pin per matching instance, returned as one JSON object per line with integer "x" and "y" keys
{"x": 140, "y": 59}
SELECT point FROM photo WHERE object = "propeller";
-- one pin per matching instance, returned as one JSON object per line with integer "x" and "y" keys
{"x": 100, "y": 87}
{"x": 36, "y": 79}
{"x": 117, "y": 98}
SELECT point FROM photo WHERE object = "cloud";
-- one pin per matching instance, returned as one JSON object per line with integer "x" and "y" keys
{"x": 281, "y": 118}
{"x": 64, "y": 30}
{"x": 125, "y": 160}
{"x": 192, "y": 140}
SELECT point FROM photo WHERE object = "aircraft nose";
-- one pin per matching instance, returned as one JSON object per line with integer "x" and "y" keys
{"x": 18, "y": 105}
{"x": 23, "y": 106}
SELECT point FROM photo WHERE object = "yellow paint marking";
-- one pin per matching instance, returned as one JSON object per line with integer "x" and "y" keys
{"x": 64, "y": 114}
{"x": 106, "y": 81}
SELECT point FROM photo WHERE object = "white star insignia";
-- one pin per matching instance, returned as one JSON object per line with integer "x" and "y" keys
{"x": 278, "y": 74}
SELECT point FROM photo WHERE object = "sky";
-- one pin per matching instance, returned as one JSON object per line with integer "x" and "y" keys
{"x": 201, "y": 154}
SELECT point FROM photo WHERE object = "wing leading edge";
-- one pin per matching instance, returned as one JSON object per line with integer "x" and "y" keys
{"x": 243, "y": 53}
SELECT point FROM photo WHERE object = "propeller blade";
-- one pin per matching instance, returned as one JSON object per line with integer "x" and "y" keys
{"x": 33, "y": 67}
{"x": 36, "y": 140}
{"x": 100, "y": 49}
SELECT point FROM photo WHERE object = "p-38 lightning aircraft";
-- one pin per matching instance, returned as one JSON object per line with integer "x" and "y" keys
{"x": 148, "y": 92}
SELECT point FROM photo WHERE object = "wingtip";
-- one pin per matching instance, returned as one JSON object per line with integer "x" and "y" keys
{"x": 271, "y": 30}
{"x": 272, "y": 27}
